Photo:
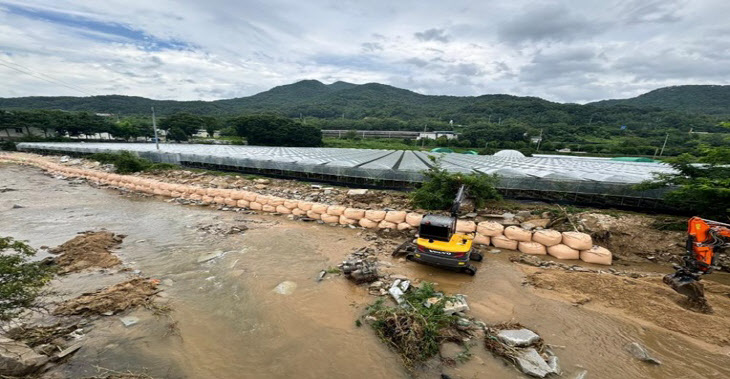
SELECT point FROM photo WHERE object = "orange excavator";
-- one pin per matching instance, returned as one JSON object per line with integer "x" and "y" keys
{"x": 705, "y": 239}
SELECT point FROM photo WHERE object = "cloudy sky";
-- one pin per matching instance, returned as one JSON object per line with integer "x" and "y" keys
{"x": 567, "y": 51}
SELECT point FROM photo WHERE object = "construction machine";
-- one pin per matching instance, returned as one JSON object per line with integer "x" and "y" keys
{"x": 705, "y": 240}
{"x": 439, "y": 244}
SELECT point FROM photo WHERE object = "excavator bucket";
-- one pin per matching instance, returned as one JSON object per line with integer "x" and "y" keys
{"x": 687, "y": 286}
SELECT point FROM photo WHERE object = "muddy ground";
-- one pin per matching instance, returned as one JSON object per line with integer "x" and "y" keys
{"x": 230, "y": 319}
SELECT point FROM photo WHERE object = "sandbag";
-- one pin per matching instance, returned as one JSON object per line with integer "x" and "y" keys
{"x": 503, "y": 242}
{"x": 547, "y": 237}
{"x": 263, "y": 199}
{"x": 250, "y": 196}
{"x": 481, "y": 239}
{"x": 336, "y": 210}
{"x": 414, "y": 219}
{"x": 158, "y": 192}
{"x": 347, "y": 221}
{"x": 320, "y": 208}
{"x": 230, "y": 202}
{"x": 532, "y": 248}
{"x": 404, "y": 226}
{"x": 195, "y": 197}
{"x": 305, "y": 205}
{"x": 598, "y": 255}
{"x": 330, "y": 219}
{"x": 396, "y": 217}
{"x": 242, "y": 203}
{"x": 174, "y": 194}
{"x": 291, "y": 204}
{"x": 298, "y": 212}
{"x": 212, "y": 192}
{"x": 387, "y": 225}
{"x": 283, "y": 210}
{"x": 518, "y": 234}
{"x": 205, "y": 199}
{"x": 463, "y": 226}
{"x": 490, "y": 228}
{"x": 354, "y": 213}
{"x": 199, "y": 191}
{"x": 268, "y": 208}
{"x": 237, "y": 195}
{"x": 367, "y": 223}
{"x": 255, "y": 205}
{"x": 314, "y": 215}
{"x": 374, "y": 215}
{"x": 275, "y": 201}
{"x": 577, "y": 240}
{"x": 561, "y": 251}
{"x": 219, "y": 200}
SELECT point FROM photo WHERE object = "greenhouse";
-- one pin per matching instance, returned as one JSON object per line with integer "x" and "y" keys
{"x": 391, "y": 168}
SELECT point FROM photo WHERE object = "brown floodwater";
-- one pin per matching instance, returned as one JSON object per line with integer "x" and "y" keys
{"x": 231, "y": 323}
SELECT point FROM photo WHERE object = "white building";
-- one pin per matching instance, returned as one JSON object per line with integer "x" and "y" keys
{"x": 435, "y": 135}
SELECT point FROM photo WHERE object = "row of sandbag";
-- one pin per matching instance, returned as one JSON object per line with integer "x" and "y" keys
{"x": 567, "y": 245}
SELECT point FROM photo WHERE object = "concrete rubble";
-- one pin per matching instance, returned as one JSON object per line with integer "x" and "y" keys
{"x": 17, "y": 359}
{"x": 398, "y": 289}
{"x": 518, "y": 338}
{"x": 531, "y": 363}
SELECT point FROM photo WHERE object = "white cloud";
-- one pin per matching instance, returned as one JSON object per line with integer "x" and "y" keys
{"x": 567, "y": 51}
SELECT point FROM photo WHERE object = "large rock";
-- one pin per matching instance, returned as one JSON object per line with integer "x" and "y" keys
{"x": 17, "y": 359}
{"x": 531, "y": 363}
{"x": 518, "y": 337}
{"x": 639, "y": 352}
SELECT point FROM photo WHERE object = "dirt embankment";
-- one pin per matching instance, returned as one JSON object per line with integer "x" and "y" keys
{"x": 87, "y": 250}
{"x": 645, "y": 299}
{"x": 114, "y": 299}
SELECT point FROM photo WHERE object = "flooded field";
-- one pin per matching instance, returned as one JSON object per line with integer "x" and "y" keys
{"x": 232, "y": 324}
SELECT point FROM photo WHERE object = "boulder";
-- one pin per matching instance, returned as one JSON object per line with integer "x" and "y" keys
{"x": 641, "y": 353}
{"x": 598, "y": 255}
{"x": 17, "y": 359}
{"x": 577, "y": 240}
{"x": 561, "y": 251}
{"x": 490, "y": 228}
{"x": 518, "y": 234}
{"x": 547, "y": 237}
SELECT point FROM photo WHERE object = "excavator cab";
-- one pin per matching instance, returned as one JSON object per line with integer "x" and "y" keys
{"x": 438, "y": 244}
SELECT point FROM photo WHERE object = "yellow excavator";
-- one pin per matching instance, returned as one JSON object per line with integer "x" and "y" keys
{"x": 705, "y": 239}
{"x": 439, "y": 244}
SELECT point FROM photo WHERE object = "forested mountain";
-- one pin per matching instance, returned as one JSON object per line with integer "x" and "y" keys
{"x": 708, "y": 99}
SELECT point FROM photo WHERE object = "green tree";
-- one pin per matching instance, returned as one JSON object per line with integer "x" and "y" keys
{"x": 22, "y": 280}
{"x": 270, "y": 130}
{"x": 177, "y": 134}
{"x": 439, "y": 188}
{"x": 186, "y": 123}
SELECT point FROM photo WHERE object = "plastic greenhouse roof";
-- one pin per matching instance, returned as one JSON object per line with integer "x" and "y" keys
{"x": 376, "y": 164}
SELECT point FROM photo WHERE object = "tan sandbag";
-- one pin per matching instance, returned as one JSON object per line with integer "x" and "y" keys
{"x": 158, "y": 192}
{"x": 305, "y": 205}
{"x": 336, "y": 210}
{"x": 330, "y": 219}
{"x": 202, "y": 191}
{"x": 195, "y": 197}
{"x": 231, "y": 202}
{"x": 276, "y": 201}
{"x": 255, "y": 205}
{"x": 206, "y": 199}
{"x": 547, "y": 237}
{"x": 242, "y": 203}
{"x": 354, "y": 213}
{"x": 262, "y": 199}
{"x": 291, "y": 204}
{"x": 219, "y": 200}
{"x": 532, "y": 248}
{"x": 395, "y": 217}
{"x": 518, "y": 234}
{"x": 598, "y": 255}
{"x": 268, "y": 208}
{"x": 481, "y": 239}
{"x": 347, "y": 221}
{"x": 577, "y": 240}
{"x": 374, "y": 215}
{"x": 387, "y": 225}
{"x": 404, "y": 226}
{"x": 561, "y": 251}
{"x": 237, "y": 195}
{"x": 298, "y": 212}
{"x": 320, "y": 208}
{"x": 464, "y": 226}
{"x": 503, "y": 242}
{"x": 174, "y": 194}
{"x": 250, "y": 196}
{"x": 490, "y": 228}
{"x": 283, "y": 210}
{"x": 314, "y": 215}
{"x": 367, "y": 223}
{"x": 414, "y": 219}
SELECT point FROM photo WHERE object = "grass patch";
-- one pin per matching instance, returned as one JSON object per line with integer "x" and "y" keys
{"x": 415, "y": 331}
{"x": 127, "y": 162}
{"x": 333, "y": 270}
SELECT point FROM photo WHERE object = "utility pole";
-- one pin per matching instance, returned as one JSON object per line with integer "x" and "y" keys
{"x": 665, "y": 145}
{"x": 539, "y": 141}
{"x": 154, "y": 127}
{"x": 423, "y": 140}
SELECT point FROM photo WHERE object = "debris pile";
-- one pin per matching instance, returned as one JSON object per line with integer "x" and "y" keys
{"x": 523, "y": 347}
{"x": 87, "y": 250}
{"x": 111, "y": 300}
{"x": 361, "y": 266}
{"x": 534, "y": 261}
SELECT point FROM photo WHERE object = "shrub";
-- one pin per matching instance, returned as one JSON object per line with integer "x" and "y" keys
{"x": 22, "y": 280}
{"x": 440, "y": 187}
{"x": 8, "y": 146}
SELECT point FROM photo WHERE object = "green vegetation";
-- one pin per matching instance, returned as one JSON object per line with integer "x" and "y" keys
{"x": 271, "y": 130}
{"x": 22, "y": 279}
{"x": 415, "y": 331}
{"x": 127, "y": 162}
{"x": 706, "y": 99}
{"x": 703, "y": 183}
{"x": 439, "y": 189}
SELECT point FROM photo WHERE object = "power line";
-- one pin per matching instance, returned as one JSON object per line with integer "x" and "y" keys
{"x": 47, "y": 78}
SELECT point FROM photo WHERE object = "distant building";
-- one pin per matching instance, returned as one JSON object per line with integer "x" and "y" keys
{"x": 435, "y": 135}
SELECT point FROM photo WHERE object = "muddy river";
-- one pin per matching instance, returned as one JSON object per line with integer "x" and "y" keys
{"x": 232, "y": 324}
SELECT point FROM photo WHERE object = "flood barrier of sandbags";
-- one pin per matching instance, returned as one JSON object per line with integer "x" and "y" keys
{"x": 566, "y": 245}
